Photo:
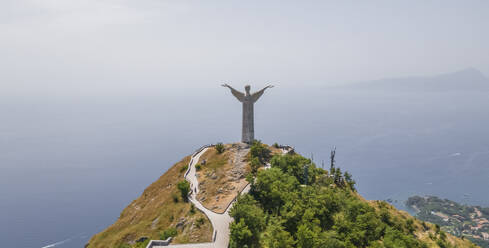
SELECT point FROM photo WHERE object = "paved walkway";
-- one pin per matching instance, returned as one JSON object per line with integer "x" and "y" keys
{"x": 220, "y": 222}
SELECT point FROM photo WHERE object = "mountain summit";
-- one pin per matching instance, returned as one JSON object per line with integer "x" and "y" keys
{"x": 241, "y": 195}
{"x": 469, "y": 79}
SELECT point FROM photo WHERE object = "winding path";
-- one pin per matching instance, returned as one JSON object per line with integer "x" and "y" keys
{"x": 220, "y": 222}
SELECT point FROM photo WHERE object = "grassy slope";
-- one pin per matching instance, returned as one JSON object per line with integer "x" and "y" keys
{"x": 155, "y": 211}
{"x": 219, "y": 165}
{"x": 421, "y": 232}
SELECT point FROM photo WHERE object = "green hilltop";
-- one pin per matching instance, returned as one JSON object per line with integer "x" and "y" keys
{"x": 296, "y": 204}
{"x": 292, "y": 203}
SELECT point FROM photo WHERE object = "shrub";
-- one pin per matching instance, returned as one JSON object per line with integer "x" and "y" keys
{"x": 219, "y": 148}
{"x": 174, "y": 197}
{"x": 170, "y": 232}
{"x": 410, "y": 225}
{"x": 184, "y": 188}
{"x": 441, "y": 243}
{"x": 192, "y": 209}
{"x": 443, "y": 235}
{"x": 425, "y": 227}
{"x": 198, "y": 167}
{"x": 184, "y": 168}
{"x": 385, "y": 216}
{"x": 142, "y": 244}
{"x": 437, "y": 228}
{"x": 276, "y": 145}
{"x": 199, "y": 222}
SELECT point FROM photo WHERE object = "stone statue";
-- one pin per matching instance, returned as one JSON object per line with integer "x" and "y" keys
{"x": 248, "y": 131}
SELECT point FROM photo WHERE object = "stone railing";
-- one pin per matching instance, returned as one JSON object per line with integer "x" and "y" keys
{"x": 202, "y": 148}
{"x": 235, "y": 198}
{"x": 159, "y": 242}
{"x": 194, "y": 154}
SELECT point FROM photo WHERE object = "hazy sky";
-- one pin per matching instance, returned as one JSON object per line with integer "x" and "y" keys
{"x": 118, "y": 47}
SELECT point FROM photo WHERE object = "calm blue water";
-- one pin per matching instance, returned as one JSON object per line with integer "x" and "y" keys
{"x": 69, "y": 165}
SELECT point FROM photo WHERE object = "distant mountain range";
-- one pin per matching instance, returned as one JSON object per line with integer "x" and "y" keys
{"x": 469, "y": 79}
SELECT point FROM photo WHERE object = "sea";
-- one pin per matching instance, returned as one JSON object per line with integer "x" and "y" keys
{"x": 70, "y": 164}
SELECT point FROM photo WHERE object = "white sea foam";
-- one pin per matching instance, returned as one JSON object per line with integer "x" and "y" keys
{"x": 56, "y": 244}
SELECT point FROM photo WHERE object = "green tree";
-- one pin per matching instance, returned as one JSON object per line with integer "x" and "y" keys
{"x": 260, "y": 151}
{"x": 338, "y": 177}
{"x": 255, "y": 164}
{"x": 247, "y": 210}
{"x": 275, "y": 236}
{"x": 306, "y": 237}
{"x": 349, "y": 180}
{"x": 329, "y": 239}
{"x": 293, "y": 164}
{"x": 240, "y": 236}
{"x": 273, "y": 188}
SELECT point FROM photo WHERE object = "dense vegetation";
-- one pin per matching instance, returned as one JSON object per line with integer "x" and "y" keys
{"x": 470, "y": 222}
{"x": 296, "y": 204}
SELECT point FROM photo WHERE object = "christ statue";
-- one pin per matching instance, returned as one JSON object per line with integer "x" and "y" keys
{"x": 248, "y": 100}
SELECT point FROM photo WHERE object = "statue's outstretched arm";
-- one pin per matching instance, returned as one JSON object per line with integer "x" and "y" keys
{"x": 258, "y": 94}
{"x": 235, "y": 93}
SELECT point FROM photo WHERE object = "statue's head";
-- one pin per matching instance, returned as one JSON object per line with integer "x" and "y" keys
{"x": 247, "y": 88}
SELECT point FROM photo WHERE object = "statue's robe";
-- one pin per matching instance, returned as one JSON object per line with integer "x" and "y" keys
{"x": 248, "y": 129}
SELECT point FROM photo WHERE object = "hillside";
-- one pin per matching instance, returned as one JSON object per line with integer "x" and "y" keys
{"x": 291, "y": 203}
{"x": 296, "y": 204}
{"x": 157, "y": 212}
{"x": 471, "y": 222}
